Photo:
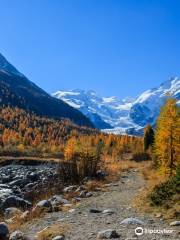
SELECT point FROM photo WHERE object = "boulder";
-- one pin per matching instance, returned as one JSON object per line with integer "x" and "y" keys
{"x": 4, "y": 231}
{"x": 57, "y": 200}
{"x": 12, "y": 212}
{"x": 44, "y": 204}
{"x": 132, "y": 221}
{"x": 15, "y": 201}
{"x": 175, "y": 223}
{"x": 17, "y": 235}
{"x": 108, "y": 234}
{"x": 101, "y": 174}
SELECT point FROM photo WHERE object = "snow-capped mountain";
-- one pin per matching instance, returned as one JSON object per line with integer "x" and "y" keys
{"x": 104, "y": 112}
{"x": 122, "y": 116}
{"x": 146, "y": 107}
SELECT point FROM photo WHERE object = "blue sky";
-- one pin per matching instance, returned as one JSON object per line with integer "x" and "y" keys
{"x": 115, "y": 47}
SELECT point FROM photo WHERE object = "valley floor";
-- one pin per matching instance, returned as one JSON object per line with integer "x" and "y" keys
{"x": 84, "y": 225}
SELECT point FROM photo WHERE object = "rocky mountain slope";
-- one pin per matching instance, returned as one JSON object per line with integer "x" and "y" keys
{"x": 17, "y": 90}
{"x": 122, "y": 116}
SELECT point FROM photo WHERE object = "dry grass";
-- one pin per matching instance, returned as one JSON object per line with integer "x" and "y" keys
{"x": 93, "y": 185}
{"x": 115, "y": 169}
{"x": 71, "y": 195}
{"x": 21, "y": 223}
{"x": 142, "y": 201}
{"x": 52, "y": 231}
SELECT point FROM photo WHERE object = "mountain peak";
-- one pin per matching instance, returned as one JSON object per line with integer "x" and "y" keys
{"x": 123, "y": 114}
{"x": 17, "y": 91}
{"x": 8, "y": 68}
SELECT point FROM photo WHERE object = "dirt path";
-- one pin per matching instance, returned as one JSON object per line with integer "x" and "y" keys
{"x": 85, "y": 225}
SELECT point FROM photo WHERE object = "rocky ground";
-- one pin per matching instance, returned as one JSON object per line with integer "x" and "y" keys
{"x": 20, "y": 184}
{"x": 104, "y": 213}
{"x": 108, "y": 210}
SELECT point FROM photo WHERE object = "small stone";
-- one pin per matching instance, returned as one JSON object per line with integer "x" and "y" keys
{"x": 72, "y": 210}
{"x": 158, "y": 215}
{"x": 78, "y": 199}
{"x": 89, "y": 194}
{"x": 108, "y": 211}
{"x": 151, "y": 221}
{"x": 58, "y": 238}
{"x": 94, "y": 210}
{"x": 108, "y": 234}
{"x": 175, "y": 223}
{"x": 17, "y": 235}
{"x": 82, "y": 194}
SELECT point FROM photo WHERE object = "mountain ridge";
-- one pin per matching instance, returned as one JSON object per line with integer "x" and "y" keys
{"x": 18, "y": 91}
{"x": 126, "y": 115}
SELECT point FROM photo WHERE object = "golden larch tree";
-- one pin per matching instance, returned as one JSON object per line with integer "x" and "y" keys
{"x": 167, "y": 137}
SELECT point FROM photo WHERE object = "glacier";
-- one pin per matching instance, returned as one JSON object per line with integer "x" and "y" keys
{"x": 126, "y": 116}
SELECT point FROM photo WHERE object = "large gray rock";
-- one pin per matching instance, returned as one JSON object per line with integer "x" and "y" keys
{"x": 132, "y": 221}
{"x": 4, "y": 231}
{"x": 57, "y": 200}
{"x": 44, "y": 204}
{"x": 15, "y": 201}
{"x": 175, "y": 223}
{"x": 108, "y": 234}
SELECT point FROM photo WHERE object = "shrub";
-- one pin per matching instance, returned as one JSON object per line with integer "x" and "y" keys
{"x": 141, "y": 156}
{"x": 165, "y": 191}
